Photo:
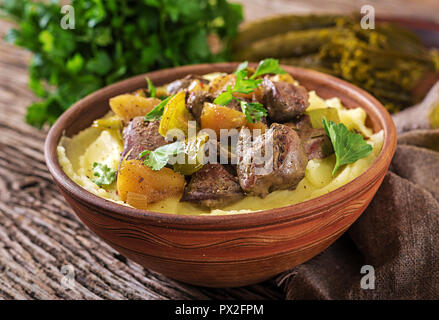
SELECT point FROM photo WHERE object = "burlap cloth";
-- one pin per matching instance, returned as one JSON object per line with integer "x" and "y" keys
{"x": 397, "y": 235}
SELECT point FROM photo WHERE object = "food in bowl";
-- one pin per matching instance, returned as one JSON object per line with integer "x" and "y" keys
{"x": 221, "y": 143}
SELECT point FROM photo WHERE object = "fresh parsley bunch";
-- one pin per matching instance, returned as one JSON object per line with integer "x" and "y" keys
{"x": 112, "y": 40}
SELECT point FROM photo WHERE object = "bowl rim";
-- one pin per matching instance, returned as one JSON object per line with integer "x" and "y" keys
{"x": 255, "y": 219}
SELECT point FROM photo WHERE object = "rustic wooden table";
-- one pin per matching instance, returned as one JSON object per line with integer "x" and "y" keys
{"x": 42, "y": 243}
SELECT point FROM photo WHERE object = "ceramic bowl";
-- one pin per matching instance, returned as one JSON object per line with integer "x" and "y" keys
{"x": 224, "y": 250}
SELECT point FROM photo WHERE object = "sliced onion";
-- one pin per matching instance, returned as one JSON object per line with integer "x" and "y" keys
{"x": 137, "y": 200}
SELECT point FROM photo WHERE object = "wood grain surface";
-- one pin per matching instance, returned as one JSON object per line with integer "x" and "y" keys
{"x": 41, "y": 240}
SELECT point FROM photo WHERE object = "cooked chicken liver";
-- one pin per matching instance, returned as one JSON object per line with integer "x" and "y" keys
{"x": 283, "y": 100}
{"x": 284, "y": 166}
{"x": 195, "y": 103}
{"x": 317, "y": 144}
{"x": 140, "y": 135}
{"x": 184, "y": 83}
{"x": 213, "y": 186}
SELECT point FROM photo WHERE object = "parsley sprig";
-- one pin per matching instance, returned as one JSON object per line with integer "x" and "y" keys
{"x": 268, "y": 66}
{"x": 244, "y": 84}
{"x": 159, "y": 158}
{"x": 105, "y": 175}
{"x": 348, "y": 146}
{"x": 151, "y": 88}
{"x": 242, "y": 66}
{"x": 157, "y": 112}
{"x": 253, "y": 111}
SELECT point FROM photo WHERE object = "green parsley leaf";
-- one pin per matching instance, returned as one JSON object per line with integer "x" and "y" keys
{"x": 268, "y": 66}
{"x": 242, "y": 66}
{"x": 224, "y": 98}
{"x": 151, "y": 88}
{"x": 253, "y": 111}
{"x": 157, "y": 112}
{"x": 348, "y": 146}
{"x": 159, "y": 158}
{"x": 243, "y": 84}
{"x": 106, "y": 175}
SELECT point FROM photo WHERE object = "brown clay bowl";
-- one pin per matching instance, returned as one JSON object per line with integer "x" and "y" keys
{"x": 229, "y": 250}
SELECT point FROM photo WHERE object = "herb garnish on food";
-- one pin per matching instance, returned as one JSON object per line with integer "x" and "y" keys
{"x": 157, "y": 112}
{"x": 253, "y": 111}
{"x": 242, "y": 66}
{"x": 105, "y": 175}
{"x": 159, "y": 158}
{"x": 268, "y": 66}
{"x": 151, "y": 88}
{"x": 348, "y": 146}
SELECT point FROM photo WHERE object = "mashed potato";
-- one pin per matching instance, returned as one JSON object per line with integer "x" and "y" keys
{"x": 77, "y": 155}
